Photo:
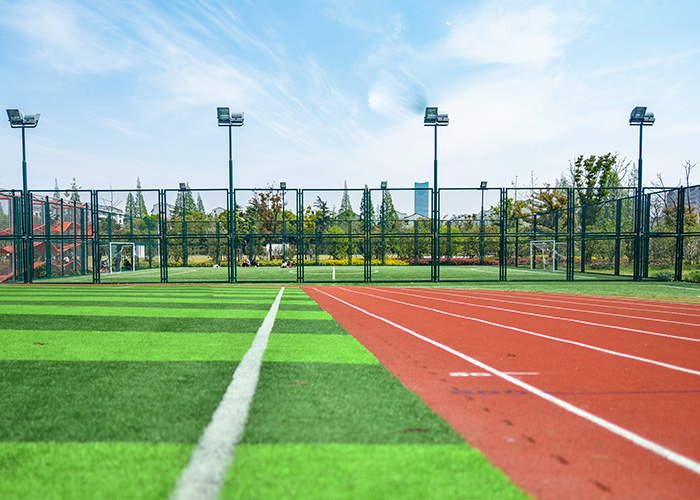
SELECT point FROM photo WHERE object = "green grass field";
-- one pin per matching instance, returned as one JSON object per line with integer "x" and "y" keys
{"x": 106, "y": 390}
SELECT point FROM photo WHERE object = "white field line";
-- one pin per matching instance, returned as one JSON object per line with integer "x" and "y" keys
{"x": 204, "y": 475}
{"x": 587, "y": 311}
{"x": 534, "y": 334}
{"x": 643, "y": 442}
{"x": 539, "y": 315}
{"x": 594, "y": 301}
{"x": 333, "y": 273}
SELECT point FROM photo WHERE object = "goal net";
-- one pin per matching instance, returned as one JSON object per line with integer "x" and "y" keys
{"x": 548, "y": 255}
{"x": 122, "y": 256}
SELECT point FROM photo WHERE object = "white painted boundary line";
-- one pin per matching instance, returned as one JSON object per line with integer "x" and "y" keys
{"x": 671, "y": 455}
{"x": 204, "y": 475}
{"x": 587, "y": 311}
{"x": 538, "y": 315}
{"x": 534, "y": 334}
{"x": 597, "y": 301}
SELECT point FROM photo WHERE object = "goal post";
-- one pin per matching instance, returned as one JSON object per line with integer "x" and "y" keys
{"x": 122, "y": 256}
{"x": 548, "y": 255}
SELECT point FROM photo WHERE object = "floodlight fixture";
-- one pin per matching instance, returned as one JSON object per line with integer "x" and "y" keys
{"x": 383, "y": 184}
{"x": 19, "y": 121}
{"x": 431, "y": 116}
{"x": 183, "y": 186}
{"x": 483, "y": 184}
{"x": 443, "y": 120}
{"x": 228, "y": 119}
{"x": 283, "y": 186}
{"x": 639, "y": 116}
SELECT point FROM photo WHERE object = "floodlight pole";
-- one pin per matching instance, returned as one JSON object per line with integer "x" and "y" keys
{"x": 231, "y": 209}
{"x": 433, "y": 119}
{"x": 28, "y": 121}
{"x": 228, "y": 119}
{"x": 27, "y": 215}
{"x": 641, "y": 118}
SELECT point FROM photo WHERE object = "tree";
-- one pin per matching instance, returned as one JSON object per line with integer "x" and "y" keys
{"x": 56, "y": 191}
{"x": 387, "y": 212}
{"x": 366, "y": 208}
{"x": 593, "y": 177}
{"x": 72, "y": 194}
{"x": 200, "y": 205}
{"x": 346, "y": 211}
{"x": 130, "y": 206}
{"x": 184, "y": 203}
{"x": 140, "y": 209}
{"x": 323, "y": 214}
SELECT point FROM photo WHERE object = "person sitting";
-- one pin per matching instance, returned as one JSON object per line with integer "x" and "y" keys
{"x": 127, "y": 265}
{"x": 253, "y": 262}
{"x": 246, "y": 262}
{"x": 286, "y": 263}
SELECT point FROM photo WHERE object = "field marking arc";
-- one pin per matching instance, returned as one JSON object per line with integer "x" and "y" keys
{"x": 646, "y": 332}
{"x": 636, "y": 439}
{"x": 204, "y": 474}
{"x": 535, "y": 334}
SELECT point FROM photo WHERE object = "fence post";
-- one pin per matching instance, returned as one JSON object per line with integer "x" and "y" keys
{"x": 503, "y": 221}
{"x": 96, "y": 260}
{"x": 680, "y": 223}
{"x": 570, "y": 241}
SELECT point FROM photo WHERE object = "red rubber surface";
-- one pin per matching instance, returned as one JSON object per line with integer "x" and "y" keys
{"x": 548, "y": 451}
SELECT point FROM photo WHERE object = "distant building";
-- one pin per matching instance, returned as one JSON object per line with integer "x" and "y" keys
{"x": 218, "y": 211}
{"x": 170, "y": 209}
{"x": 421, "y": 199}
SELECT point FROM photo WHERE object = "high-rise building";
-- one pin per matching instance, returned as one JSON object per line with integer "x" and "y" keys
{"x": 421, "y": 199}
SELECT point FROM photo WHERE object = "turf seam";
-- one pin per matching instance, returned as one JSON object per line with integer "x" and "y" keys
{"x": 204, "y": 475}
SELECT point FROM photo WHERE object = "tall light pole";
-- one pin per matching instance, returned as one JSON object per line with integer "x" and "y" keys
{"x": 482, "y": 187}
{"x": 28, "y": 121}
{"x": 228, "y": 119}
{"x": 641, "y": 118}
{"x": 433, "y": 119}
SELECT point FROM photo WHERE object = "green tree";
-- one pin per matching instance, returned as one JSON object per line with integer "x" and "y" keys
{"x": 346, "y": 212}
{"x": 140, "y": 209}
{"x": 56, "y": 191}
{"x": 200, "y": 205}
{"x": 184, "y": 203}
{"x": 593, "y": 177}
{"x": 387, "y": 212}
{"x": 323, "y": 214}
{"x": 73, "y": 194}
{"x": 366, "y": 208}
{"x": 130, "y": 206}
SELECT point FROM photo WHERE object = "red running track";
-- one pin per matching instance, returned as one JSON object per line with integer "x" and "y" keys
{"x": 571, "y": 396}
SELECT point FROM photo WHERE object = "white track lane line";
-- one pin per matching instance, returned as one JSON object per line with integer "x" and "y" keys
{"x": 203, "y": 477}
{"x": 588, "y": 311}
{"x": 601, "y": 302}
{"x": 538, "y": 315}
{"x": 643, "y": 442}
{"x": 534, "y": 334}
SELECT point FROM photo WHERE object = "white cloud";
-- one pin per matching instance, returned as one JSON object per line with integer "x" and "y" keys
{"x": 506, "y": 32}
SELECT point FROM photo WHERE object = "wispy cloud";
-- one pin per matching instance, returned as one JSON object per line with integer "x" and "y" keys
{"x": 506, "y": 32}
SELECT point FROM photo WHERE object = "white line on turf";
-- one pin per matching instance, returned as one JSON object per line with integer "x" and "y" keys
{"x": 204, "y": 475}
{"x": 643, "y": 442}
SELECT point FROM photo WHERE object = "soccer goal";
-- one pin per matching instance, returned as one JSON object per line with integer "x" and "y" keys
{"x": 122, "y": 256}
{"x": 548, "y": 255}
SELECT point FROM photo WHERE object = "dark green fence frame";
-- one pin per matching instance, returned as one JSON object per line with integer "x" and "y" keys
{"x": 601, "y": 239}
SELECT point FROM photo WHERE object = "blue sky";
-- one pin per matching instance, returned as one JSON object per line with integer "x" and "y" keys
{"x": 334, "y": 90}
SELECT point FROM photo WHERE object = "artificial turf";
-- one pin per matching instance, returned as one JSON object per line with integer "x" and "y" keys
{"x": 106, "y": 390}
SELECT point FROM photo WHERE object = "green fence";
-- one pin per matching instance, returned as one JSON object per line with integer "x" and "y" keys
{"x": 348, "y": 235}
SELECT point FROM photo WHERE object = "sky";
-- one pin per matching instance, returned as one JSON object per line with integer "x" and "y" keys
{"x": 334, "y": 91}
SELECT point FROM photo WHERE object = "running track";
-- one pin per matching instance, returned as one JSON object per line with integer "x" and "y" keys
{"x": 571, "y": 396}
